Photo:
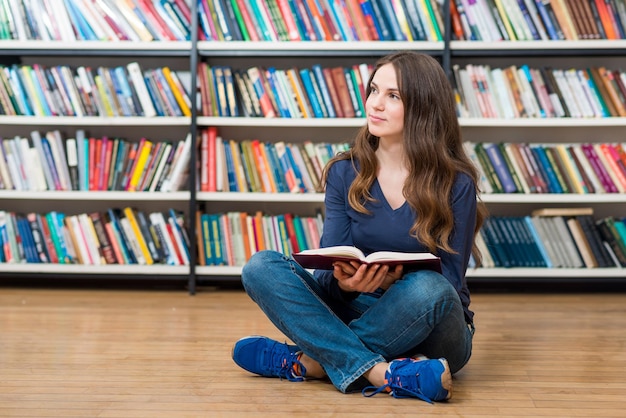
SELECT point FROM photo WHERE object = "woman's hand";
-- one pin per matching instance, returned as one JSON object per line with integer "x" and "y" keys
{"x": 356, "y": 277}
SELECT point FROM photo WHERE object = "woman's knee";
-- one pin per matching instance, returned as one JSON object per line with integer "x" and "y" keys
{"x": 261, "y": 268}
{"x": 429, "y": 285}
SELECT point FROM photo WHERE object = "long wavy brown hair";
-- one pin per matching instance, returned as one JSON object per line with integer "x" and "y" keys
{"x": 433, "y": 145}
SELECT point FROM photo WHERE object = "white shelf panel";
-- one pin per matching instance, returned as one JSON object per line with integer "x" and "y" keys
{"x": 496, "y": 273}
{"x": 101, "y": 196}
{"x": 534, "y": 45}
{"x": 97, "y": 45}
{"x": 123, "y": 269}
{"x": 590, "y": 199}
{"x": 218, "y": 270}
{"x": 94, "y": 120}
{"x": 282, "y": 122}
{"x": 566, "y": 273}
{"x": 365, "y": 46}
{"x": 358, "y": 122}
{"x": 260, "y": 197}
{"x": 542, "y": 122}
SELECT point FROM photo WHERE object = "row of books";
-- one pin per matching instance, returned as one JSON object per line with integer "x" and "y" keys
{"x": 567, "y": 238}
{"x": 316, "y": 92}
{"x": 320, "y": 20}
{"x": 550, "y": 168}
{"x": 38, "y": 90}
{"x": 50, "y": 162}
{"x": 231, "y": 238}
{"x": 115, "y": 236}
{"x": 227, "y": 165}
{"x": 526, "y": 92}
{"x": 95, "y": 20}
{"x": 528, "y": 20}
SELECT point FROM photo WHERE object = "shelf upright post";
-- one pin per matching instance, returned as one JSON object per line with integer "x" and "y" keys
{"x": 447, "y": 26}
{"x": 193, "y": 62}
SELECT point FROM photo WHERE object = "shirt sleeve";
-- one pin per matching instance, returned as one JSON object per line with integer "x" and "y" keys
{"x": 464, "y": 205}
{"x": 336, "y": 229}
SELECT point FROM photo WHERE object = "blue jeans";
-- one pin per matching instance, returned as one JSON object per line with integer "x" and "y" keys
{"x": 419, "y": 314}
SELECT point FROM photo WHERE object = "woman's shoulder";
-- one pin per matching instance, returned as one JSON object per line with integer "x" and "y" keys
{"x": 342, "y": 168}
{"x": 463, "y": 185}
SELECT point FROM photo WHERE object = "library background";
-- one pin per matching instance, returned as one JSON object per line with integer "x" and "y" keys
{"x": 169, "y": 140}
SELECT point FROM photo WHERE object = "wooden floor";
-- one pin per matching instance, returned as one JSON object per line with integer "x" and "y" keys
{"x": 129, "y": 353}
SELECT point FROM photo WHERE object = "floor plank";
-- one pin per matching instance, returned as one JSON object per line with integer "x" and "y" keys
{"x": 164, "y": 353}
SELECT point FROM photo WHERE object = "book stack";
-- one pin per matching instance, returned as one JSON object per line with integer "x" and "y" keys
{"x": 326, "y": 20}
{"x": 581, "y": 168}
{"x": 316, "y": 92}
{"x": 116, "y": 236}
{"x": 231, "y": 238}
{"x": 267, "y": 167}
{"x": 95, "y": 20}
{"x": 38, "y": 90}
{"x": 554, "y": 238}
{"x": 525, "y": 92}
{"x": 534, "y": 20}
{"x": 49, "y": 162}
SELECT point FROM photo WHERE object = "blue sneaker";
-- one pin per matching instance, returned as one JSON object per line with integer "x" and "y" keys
{"x": 429, "y": 380}
{"x": 269, "y": 358}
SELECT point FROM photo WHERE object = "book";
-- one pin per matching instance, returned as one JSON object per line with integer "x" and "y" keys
{"x": 323, "y": 258}
{"x": 562, "y": 211}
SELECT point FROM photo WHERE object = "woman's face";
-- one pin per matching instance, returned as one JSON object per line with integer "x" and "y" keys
{"x": 384, "y": 107}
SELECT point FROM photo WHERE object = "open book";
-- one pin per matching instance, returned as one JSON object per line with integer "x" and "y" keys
{"x": 323, "y": 258}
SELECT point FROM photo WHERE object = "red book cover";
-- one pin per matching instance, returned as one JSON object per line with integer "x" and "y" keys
{"x": 212, "y": 161}
{"x": 92, "y": 163}
{"x": 288, "y": 18}
{"x": 291, "y": 232}
{"x": 106, "y": 155}
{"x": 108, "y": 228}
{"x": 598, "y": 168}
{"x": 259, "y": 235}
{"x": 98, "y": 160}
{"x": 533, "y": 168}
{"x": 177, "y": 253}
{"x": 133, "y": 166}
{"x": 247, "y": 20}
{"x": 355, "y": 14}
{"x": 615, "y": 162}
{"x": 607, "y": 24}
{"x": 155, "y": 20}
{"x": 332, "y": 90}
{"x": 318, "y": 20}
{"x": 306, "y": 21}
{"x": 335, "y": 33}
{"x": 47, "y": 237}
{"x": 128, "y": 165}
{"x": 264, "y": 99}
{"x": 184, "y": 8}
{"x": 341, "y": 86}
{"x": 119, "y": 33}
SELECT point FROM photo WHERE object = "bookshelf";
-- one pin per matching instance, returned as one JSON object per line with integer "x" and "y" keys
{"x": 185, "y": 55}
{"x": 129, "y": 128}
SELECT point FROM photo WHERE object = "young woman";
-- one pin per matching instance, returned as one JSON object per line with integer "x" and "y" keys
{"x": 406, "y": 185}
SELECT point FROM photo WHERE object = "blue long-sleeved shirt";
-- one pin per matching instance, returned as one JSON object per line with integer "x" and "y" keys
{"x": 386, "y": 229}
